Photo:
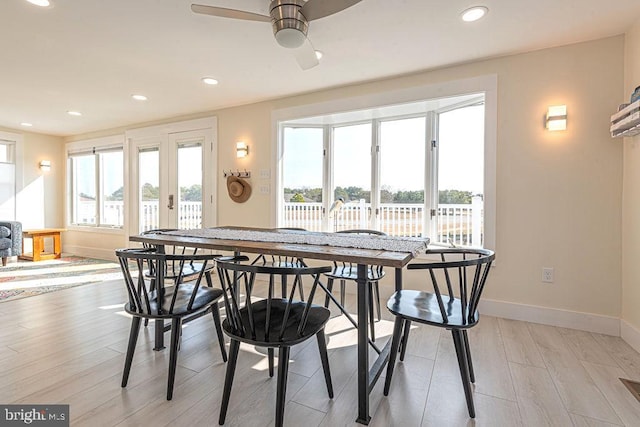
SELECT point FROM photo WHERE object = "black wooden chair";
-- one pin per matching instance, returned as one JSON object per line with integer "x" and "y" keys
{"x": 153, "y": 298}
{"x": 463, "y": 271}
{"x": 271, "y": 322}
{"x": 190, "y": 270}
{"x": 344, "y": 271}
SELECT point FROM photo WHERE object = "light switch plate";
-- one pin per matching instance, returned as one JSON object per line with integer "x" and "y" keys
{"x": 265, "y": 173}
{"x": 265, "y": 189}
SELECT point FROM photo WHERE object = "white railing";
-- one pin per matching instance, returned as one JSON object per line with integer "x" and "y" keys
{"x": 189, "y": 214}
{"x": 460, "y": 224}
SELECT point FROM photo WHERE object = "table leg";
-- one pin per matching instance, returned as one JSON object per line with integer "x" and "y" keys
{"x": 38, "y": 247}
{"x": 57, "y": 246}
{"x": 363, "y": 348}
{"x": 159, "y": 331}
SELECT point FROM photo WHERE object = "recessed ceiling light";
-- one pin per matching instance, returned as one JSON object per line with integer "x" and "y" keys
{"x": 74, "y": 113}
{"x": 139, "y": 97}
{"x": 319, "y": 55}
{"x": 26, "y": 124}
{"x": 474, "y": 13}
{"x": 209, "y": 81}
{"x": 41, "y": 3}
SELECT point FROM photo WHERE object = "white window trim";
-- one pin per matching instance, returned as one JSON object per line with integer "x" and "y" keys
{"x": 487, "y": 84}
{"x": 17, "y": 140}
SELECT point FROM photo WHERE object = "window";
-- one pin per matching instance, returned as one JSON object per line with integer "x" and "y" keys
{"x": 96, "y": 187}
{"x": 408, "y": 170}
{"x": 302, "y": 177}
{"x": 7, "y": 179}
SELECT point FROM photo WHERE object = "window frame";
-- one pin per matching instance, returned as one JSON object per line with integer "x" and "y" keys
{"x": 486, "y": 85}
{"x": 95, "y": 147}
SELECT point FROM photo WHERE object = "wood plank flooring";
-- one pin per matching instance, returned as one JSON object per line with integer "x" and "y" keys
{"x": 68, "y": 347}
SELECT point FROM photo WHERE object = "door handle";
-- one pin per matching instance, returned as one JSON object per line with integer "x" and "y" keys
{"x": 170, "y": 205}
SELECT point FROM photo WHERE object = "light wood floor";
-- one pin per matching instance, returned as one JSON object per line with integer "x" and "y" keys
{"x": 68, "y": 347}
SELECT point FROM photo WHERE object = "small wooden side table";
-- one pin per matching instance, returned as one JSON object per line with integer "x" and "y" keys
{"x": 38, "y": 236}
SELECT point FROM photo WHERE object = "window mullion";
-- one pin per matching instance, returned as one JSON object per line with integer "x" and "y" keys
{"x": 327, "y": 179}
{"x": 374, "y": 217}
{"x": 98, "y": 180}
{"x": 430, "y": 226}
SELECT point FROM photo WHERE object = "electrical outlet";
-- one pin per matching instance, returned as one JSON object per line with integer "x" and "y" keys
{"x": 547, "y": 274}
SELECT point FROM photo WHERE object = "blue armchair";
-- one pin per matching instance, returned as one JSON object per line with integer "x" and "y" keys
{"x": 10, "y": 239}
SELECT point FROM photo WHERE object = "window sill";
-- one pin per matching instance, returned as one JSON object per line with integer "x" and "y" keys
{"x": 97, "y": 230}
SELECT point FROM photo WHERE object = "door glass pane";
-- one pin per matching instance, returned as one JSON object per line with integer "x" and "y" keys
{"x": 460, "y": 176}
{"x": 83, "y": 189}
{"x": 351, "y": 176}
{"x": 402, "y": 179}
{"x": 149, "y": 190}
{"x": 112, "y": 183}
{"x": 302, "y": 177}
{"x": 189, "y": 201}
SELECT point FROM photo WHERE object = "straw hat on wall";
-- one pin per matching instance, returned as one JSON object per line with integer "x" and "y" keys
{"x": 239, "y": 190}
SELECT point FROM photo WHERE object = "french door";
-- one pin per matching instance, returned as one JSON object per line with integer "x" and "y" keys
{"x": 171, "y": 184}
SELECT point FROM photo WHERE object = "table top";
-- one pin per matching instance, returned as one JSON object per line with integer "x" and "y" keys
{"x": 387, "y": 258}
{"x": 35, "y": 232}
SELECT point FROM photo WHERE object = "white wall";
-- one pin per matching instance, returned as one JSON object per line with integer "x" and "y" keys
{"x": 631, "y": 201}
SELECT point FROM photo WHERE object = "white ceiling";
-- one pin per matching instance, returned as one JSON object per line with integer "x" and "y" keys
{"x": 91, "y": 55}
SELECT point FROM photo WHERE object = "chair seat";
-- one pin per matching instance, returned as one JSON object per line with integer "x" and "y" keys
{"x": 423, "y": 307}
{"x": 351, "y": 273}
{"x": 318, "y": 317}
{"x": 204, "y": 297}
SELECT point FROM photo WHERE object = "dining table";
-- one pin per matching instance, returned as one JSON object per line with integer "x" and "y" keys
{"x": 363, "y": 250}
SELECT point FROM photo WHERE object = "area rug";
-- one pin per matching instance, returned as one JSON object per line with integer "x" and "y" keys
{"x": 26, "y": 279}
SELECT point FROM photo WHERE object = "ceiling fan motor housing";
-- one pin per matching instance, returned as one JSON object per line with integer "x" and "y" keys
{"x": 289, "y": 24}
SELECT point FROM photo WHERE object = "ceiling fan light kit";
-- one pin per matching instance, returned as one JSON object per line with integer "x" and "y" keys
{"x": 290, "y": 27}
{"x": 290, "y": 22}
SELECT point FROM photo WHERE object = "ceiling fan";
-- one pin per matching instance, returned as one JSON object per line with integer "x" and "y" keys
{"x": 290, "y": 22}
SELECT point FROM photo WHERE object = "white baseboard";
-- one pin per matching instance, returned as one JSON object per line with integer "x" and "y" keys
{"x": 106, "y": 254}
{"x": 608, "y": 325}
{"x": 630, "y": 334}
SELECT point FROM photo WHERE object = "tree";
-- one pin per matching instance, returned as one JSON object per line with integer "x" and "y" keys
{"x": 117, "y": 195}
{"x": 454, "y": 197}
{"x": 191, "y": 194}
{"x": 149, "y": 192}
{"x": 297, "y": 198}
{"x": 416, "y": 196}
{"x": 386, "y": 195}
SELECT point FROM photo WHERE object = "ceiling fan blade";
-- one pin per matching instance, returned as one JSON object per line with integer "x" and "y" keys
{"x": 229, "y": 13}
{"x": 306, "y": 55}
{"x": 316, "y": 9}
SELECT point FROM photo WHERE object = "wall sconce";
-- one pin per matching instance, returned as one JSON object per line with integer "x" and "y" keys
{"x": 556, "y": 118}
{"x": 45, "y": 165}
{"x": 242, "y": 150}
